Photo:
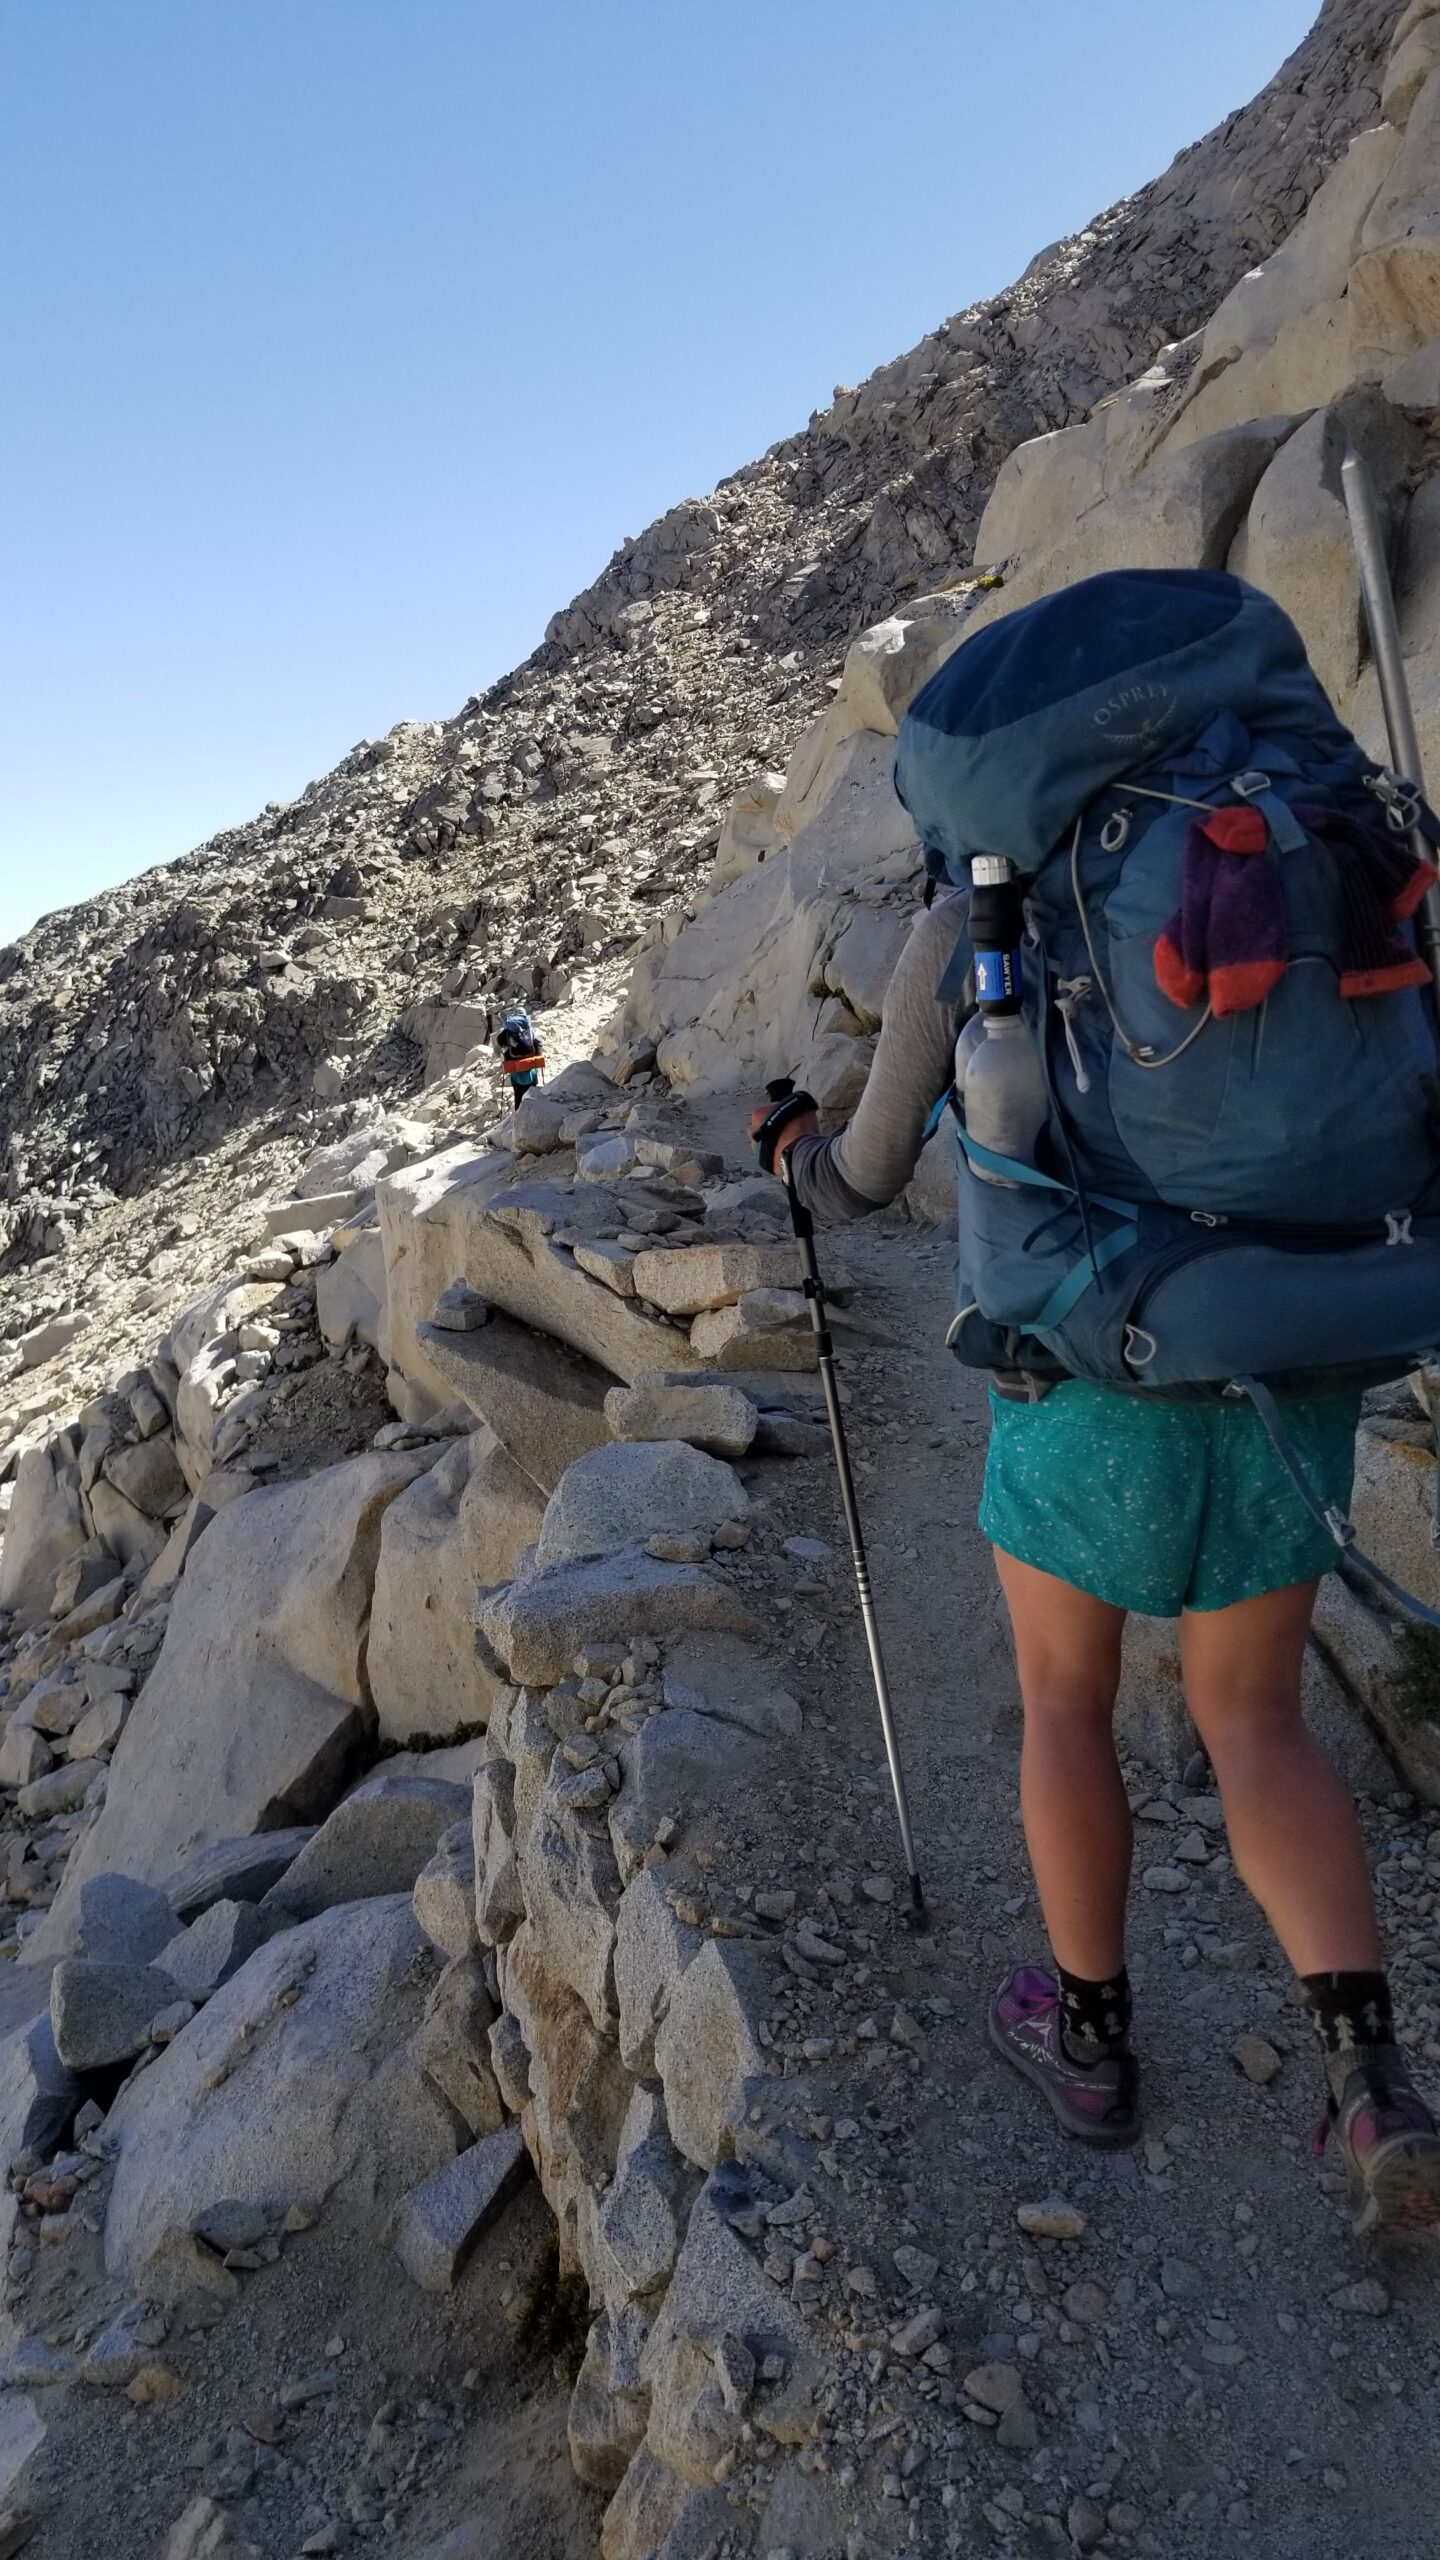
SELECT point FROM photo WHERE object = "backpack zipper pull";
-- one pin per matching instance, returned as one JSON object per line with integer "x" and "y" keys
{"x": 1069, "y": 993}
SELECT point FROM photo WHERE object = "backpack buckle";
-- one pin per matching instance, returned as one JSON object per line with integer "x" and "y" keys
{"x": 1400, "y": 799}
{"x": 1250, "y": 784}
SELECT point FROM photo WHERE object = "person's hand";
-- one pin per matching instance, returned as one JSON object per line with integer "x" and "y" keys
{"x": 805, "y": 1124}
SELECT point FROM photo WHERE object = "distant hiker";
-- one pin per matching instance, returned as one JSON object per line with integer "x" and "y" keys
{"x": 1199, "y": 1170}
{"x": 521, "y": 1057}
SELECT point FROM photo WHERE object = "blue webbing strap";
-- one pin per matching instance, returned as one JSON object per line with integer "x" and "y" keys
{"x": 1081, "y": 1276}
{"x": 1282, "y": 822}
{"x": 1343, "y": 1531}
{"x": 1011, "y": 1169}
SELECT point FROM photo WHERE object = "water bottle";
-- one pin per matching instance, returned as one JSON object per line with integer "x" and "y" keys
{"x": 998, "y": 1069}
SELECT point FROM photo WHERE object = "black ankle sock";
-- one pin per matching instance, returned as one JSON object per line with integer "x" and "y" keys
{"x": 1095, "y": 2016}
{"x": 1349, "y": 2010}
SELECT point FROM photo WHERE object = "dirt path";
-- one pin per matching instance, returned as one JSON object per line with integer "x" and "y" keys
{"x": 1211, "y": 2368}
{"x": 1214, "y": 2367}
{"x": 333, "y": 2409}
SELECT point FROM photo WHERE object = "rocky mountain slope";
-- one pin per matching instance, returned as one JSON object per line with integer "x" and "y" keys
{"x": 527, "y": 841}
{"x": 436, "y": 1738}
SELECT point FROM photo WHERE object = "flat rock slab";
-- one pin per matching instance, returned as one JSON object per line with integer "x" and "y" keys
{"x": 147, "y": 1473}
{"x": 688, "y": 1280}
{"x": 467, "y": 1521}
{"x": 22, "y": 2432}
{"x": 307, "y": 1217}
{"x": 676, "y": 1763}
{"x": 123, "y": 1921}
{"x": 719, "y": 1419}
{"x": 459, "y": 1223}
{"x": 25, "y": 1755}
{"x": 537, "y": 1625}
{"x": 101, "y": 2013}
{"x": 719, "y": 1675}
{"x": 444, "y": 1896}
{"x": 437, "y": 2226}
{"x": 652, "y": 1949}
{"x": 200, "y": 1958}
{"x": 293, "y": 2086}
{"x": 767, "y": 1328}
{"x": 45, "y": 1531}
{"x": 628, "y": 1491}
{"x": 707, "y": 2052}
{"x": 375, "y": 1842}
{"x": 543, "y": 1401}
{"x": 38, "y": 2095}
{"x": 258, "y": 1694}
{"x": 235, "y": 1870}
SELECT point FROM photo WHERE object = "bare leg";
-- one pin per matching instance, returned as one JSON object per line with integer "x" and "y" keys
{"x": 1072, "y": 1796}
{"x": 1292, "y": 1826}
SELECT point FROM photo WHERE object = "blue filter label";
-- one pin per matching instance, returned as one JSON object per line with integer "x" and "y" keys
{"x": 997, "y": 975}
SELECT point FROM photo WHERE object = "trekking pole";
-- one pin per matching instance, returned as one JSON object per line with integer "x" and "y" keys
{"x": 782, "y": 1092}
{"x": 1368, "y": 535}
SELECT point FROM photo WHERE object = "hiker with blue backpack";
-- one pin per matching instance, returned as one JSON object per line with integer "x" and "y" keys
{"x": 522, "y": 1060}
{"x": 1179, "y": 1012}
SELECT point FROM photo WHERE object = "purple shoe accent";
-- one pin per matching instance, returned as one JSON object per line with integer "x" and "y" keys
{"x": 1029, "y": 1992}
{"x": 1097, "y": 2101}
{"x": 1391, "y": 2147}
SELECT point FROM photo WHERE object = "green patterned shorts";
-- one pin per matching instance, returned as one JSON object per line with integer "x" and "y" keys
{"x": 1163, "y": 1507}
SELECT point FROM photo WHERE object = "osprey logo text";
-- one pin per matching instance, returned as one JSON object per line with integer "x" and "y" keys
{"x": 1136, "y": 716}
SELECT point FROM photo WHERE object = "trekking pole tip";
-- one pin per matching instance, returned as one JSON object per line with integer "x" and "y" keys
{"x": 918, "y": 1916}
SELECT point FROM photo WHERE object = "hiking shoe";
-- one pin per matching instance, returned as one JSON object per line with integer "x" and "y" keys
{"x": 1095, "y": 2101}
{"x": 1389, "y": 2143}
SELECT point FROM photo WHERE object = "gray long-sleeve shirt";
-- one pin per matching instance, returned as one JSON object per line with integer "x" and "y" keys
{"x": 871, "y": 1161}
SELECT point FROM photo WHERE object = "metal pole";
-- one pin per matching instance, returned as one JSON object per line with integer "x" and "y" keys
{"x": 1368, "y": 535}
{"x": 804, "y": 1227}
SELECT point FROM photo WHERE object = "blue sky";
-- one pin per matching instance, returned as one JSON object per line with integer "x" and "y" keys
{"x": 345, "y": 338}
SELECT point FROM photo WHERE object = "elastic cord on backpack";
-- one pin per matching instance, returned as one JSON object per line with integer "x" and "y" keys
{"x": 1137, "y": 1056}
{"x": 1333, "y": 1521}
{"x": 1057, "y": 1118}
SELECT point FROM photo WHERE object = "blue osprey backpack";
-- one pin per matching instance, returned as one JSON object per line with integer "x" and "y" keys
{"x": 1253, "y": 1195}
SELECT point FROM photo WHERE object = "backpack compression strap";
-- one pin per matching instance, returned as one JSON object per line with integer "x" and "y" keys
{"x": 1343, "y": 1531}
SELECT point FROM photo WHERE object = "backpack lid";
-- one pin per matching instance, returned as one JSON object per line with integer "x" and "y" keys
{"x": 1023, "y": 724}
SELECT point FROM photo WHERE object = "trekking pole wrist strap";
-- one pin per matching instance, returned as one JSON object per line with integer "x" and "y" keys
{"x": 784, "y": 1109}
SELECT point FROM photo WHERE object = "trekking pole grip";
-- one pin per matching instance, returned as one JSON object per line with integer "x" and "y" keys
{"x": 786, "y": 1103}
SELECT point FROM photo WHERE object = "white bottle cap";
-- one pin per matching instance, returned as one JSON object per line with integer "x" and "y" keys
{"x": 991, "y": 870}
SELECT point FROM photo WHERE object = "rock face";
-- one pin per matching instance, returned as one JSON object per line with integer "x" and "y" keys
{"x": 622, "y": 1495}
{"x": 293, "y": 2087}
{"x": 260, "y": 1689}
{"x": 469, "y": 1218}
{"x": 44, "y": 1529}
{"x": 438, "y": 2223}
{"x": 719, "y": 1419}
{"x": 410, "y": 1993}
{"x": 376, "y": 1842}
{"x": 38, "y": 2095}
{"x": 102, "y": 2013}
{"x": 465, "y": 1522}
{"x": 542, "y": 1402}
{"x": 725, "y": 998}
{"x": 536, "y": 1625}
